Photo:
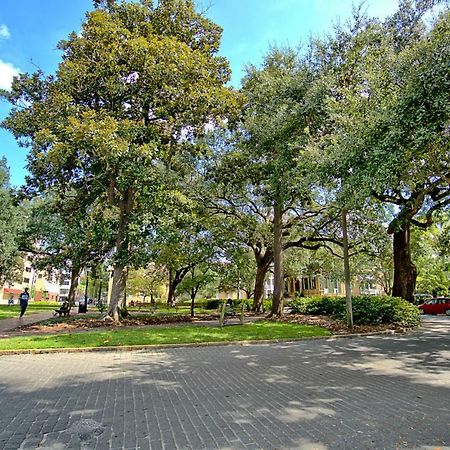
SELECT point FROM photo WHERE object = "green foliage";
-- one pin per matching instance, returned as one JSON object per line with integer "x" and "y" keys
{"x": 329, "y": 306}
{"x": 213, "y": 303}
{"x": 13, "y": 221}
{"x": 367, "y": 310}
{"x": 197, "y": 278}
{"x": 136, "y": 87}
{"x": 148, "y": 281}
{"x": 431, "y": 255}
{"x": 390, "y": 110}
{"x": 238, "y": 272}
{"x": 102, "y": 307}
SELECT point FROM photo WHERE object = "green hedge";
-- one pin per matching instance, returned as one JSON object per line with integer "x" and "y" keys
{"x": 213, "y": 303}
{"x": 266, "y": 305}
{"x": 367, "y": 310}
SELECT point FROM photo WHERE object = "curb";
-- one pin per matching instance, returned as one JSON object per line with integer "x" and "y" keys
{"x": 128, "y": 348}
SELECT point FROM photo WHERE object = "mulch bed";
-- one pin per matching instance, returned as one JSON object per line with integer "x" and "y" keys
{"x": 81, "y": 323}
{"x": 85, "y": 324}
{"x": 335, "y": 326}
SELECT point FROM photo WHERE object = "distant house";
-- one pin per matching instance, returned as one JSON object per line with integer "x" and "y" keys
{"x": 325, "y": 284}
{"x": 322, "y": 284}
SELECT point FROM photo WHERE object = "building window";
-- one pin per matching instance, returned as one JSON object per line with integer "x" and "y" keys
{"x": 27, "y": 269}
{"x": 26, "y": 280}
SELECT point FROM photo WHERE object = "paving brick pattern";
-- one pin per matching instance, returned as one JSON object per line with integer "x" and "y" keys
{"x": 380, "y": 392}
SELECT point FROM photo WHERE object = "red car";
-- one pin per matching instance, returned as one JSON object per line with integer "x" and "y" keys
{"x": 439, "y": 305}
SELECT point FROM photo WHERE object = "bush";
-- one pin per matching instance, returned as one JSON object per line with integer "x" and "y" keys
{"x": 102, "y": 307}
{"x": 213, "y": 303}
{"x": 266, "y": 304}
{"x": 367, "y": 310}
{"x": 327, "y": 306}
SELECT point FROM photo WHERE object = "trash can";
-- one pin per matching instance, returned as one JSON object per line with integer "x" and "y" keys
{"x": 82, "y": 306}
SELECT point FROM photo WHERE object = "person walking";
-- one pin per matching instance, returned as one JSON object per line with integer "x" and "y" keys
{"x": 23, "y": 298}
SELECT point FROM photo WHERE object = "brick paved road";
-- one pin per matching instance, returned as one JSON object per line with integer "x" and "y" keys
{"x": 366, "y": 393}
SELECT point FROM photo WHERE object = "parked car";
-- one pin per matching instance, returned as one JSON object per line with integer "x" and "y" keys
{"x": 439, "y": 305}
{"x": 421, "y": 298}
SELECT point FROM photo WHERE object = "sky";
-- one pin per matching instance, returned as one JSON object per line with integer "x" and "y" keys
{"x": 31, "y": 29}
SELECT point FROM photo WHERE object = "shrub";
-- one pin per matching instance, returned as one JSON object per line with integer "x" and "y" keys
{"x": 102, "y": 307}
{"x": 267, "y": 304}
{"x": 367, "y": 310}
{"x": 328, "y": 306}
{"x": 213, "y": 303}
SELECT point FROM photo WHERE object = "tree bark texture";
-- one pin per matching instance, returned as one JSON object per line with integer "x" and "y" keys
{"x": 120, "y": 272}
{"x": 278, "y": 276}
{"x": 405, "y": 272}
{"x": 262, "y": 267}
{"x": 117, "y": 291}
{"x": 174, "y": 281}
{"x": 192, "y": 304}
{"x": 348, "y": 288}
{"x": 74, "y": 281}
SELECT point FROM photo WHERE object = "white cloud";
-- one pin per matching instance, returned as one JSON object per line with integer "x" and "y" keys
{"x": 4, "y": 32}
{"x": 7, "y": 72}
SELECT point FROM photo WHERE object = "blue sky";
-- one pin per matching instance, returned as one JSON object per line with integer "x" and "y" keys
{"x": 30, "y": 30}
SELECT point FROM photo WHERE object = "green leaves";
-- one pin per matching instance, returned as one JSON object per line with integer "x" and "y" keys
{"x": 13, "y": 221}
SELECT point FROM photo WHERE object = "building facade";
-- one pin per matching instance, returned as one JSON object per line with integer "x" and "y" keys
{"x": 41, "y": 285}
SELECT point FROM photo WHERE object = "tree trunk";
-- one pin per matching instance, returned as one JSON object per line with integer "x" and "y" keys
{"x": 123, "y": 309}
{"x": 74, "y": 281}
{"x": 99, "y": 293}
{"x": 278, "y": 278}
{"x": 117, "y": 291}
{"x": 174, "y": 282}
{"x": 405, "y": 272}
{"x": 348, "y": 288}
{"x": 171, "y": 292}
{"x": 119, "y": 273}
{"x": 193, "y": 294}
{"x": 258, "y": 295}
{"x": 122, "y": 252}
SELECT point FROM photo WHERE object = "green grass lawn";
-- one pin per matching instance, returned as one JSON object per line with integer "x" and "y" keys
{"x": 7, "y": 311}
{"x": 167, "y": 335}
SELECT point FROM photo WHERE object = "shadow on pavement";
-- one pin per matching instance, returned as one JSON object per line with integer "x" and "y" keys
{"x": 365, "y": 393}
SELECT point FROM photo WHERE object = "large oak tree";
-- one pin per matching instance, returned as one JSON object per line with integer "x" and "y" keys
{"x": 137, "y": 84}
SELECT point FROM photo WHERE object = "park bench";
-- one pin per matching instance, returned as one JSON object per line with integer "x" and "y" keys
{"x": 63, "y": 310}
{"x": 230, "y": 310}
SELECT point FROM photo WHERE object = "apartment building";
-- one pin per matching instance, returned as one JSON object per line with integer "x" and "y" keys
{"x": 42, "y": 285}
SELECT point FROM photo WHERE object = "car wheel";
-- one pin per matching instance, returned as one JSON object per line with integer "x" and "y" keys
{"x": 447, "y": 311}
